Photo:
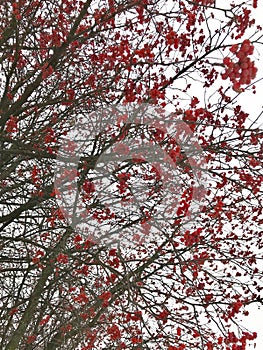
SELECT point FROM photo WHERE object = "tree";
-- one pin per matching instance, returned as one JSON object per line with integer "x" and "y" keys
{"x": 186, "y": 281}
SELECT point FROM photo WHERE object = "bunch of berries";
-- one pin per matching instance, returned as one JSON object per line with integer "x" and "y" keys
{"x": 243, "y": 71}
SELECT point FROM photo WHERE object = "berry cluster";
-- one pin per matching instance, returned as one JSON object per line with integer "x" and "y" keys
{"x": 16, "y": 11}
{"x": 123, "y": 178}
{"x": 11, "y": 125}
{"x": 243, "y": 71}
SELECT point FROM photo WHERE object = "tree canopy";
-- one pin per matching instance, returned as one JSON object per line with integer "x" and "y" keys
{"x": 131, "y": 174}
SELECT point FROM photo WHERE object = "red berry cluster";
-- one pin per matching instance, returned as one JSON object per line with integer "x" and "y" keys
{"x": 114, "y": 332}
{"x": 16, "y": 11}
{"x": 243, "y": 71}
{"x": 11, "y": 125}
{"x": 89, "y": 189}
{"x": 123, "y": 178}
{"x": 62, "y": 258}
{"x": 105, "y": 297}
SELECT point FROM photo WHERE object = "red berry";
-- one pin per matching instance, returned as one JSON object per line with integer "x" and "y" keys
{"x": 234, "y": 48}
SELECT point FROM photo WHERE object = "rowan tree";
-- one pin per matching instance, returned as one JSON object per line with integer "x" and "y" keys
{"x": 166, "y": 253}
